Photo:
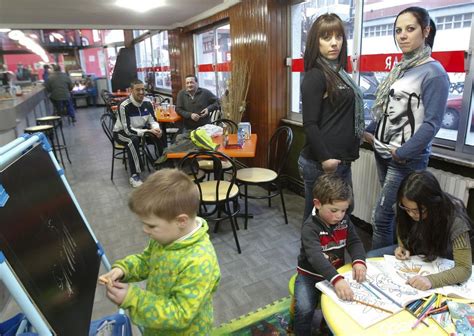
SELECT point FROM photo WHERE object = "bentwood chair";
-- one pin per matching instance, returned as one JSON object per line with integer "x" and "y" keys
{"x": 206, "y": 165}
{"x": 219, "y": 195}
{"x": 107, "y": 121}
{"x": 226, "y": 123}
{"x": 268, "y": 178}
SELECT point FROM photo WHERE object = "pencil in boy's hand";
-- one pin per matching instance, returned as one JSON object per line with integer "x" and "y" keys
{"x": 373, "y": 306}
{"x": 103, "y": 280}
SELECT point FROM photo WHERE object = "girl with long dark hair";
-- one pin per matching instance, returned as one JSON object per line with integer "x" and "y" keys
{"x": 432, "y": 223}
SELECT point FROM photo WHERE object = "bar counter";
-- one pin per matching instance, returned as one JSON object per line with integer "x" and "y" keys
{"x": 19, "y": 112}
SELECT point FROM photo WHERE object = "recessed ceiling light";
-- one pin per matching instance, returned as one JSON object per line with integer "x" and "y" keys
{"x": 140, "y": 6}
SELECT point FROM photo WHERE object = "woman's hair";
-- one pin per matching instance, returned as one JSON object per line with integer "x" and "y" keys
{"x": 326, "y": 24}
{"x": 424, "y": 21}
{"x": 431, "y": 235}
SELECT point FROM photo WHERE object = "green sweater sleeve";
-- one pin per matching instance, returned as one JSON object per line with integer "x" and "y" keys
{"x": 136, "y": 266}
{"x": 462, "y": 264}
{"x": 178, "y": 308}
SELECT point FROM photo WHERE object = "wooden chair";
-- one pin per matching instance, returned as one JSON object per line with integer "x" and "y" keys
{"x": 107, "y": 121}
{"x": 219, "y": 196}
{"x": 269, "y": 178}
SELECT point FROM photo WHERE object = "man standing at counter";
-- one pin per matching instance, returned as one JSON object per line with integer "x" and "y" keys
{"x": 194, "y": 104}
{"x": 59, "y": 86}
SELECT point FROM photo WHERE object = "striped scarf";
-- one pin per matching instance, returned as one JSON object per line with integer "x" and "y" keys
{"x": 359, "y": 123}
{"x": 409, "y": 60}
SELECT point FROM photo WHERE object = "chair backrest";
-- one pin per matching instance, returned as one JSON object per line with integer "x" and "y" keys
{"x": 225, "y": 178}
{"x": 279, "y": 148}
{"x": 231, "y": 126}
{"x": 215, "y": 115}
{"x": 107, "y": 121}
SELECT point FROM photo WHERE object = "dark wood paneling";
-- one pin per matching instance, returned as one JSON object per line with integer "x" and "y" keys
{"x": 263, "y": 25}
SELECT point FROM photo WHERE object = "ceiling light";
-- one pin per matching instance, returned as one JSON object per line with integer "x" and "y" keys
{"x": 141, "y": 6}
{"x": 16, "y": 34}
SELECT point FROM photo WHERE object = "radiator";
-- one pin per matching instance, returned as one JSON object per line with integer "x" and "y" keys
{"x": 367, "y": 187}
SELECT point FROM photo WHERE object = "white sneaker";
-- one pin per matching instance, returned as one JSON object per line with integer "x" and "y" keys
{"x": 135, "y": 181}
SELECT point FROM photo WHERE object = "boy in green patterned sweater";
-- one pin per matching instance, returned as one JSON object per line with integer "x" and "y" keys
{"x": 179, "y": 263}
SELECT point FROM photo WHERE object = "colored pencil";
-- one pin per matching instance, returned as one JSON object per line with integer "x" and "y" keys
{"x": 414, "y": 305}
{"x": 373, "y": 306}
{"x": 368, "y": 288}
{"x": 388, "y": 297}
{"x": 426, "y": 324}
{"x": 427, "y": 305}
{"x": 422, "y": 317}
{"x": 439, "y": 310}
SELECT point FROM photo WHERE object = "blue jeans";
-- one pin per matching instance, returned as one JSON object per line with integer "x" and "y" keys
{"x": 64, "y": 105}
{"x": 391, "y": 174}
{"x": 390, "y": 250}
{"x": 309, "y": 171}
{"x": 307, "y": 296}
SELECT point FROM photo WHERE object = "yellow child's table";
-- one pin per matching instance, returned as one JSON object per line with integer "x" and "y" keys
{"x": 396, "y": 324}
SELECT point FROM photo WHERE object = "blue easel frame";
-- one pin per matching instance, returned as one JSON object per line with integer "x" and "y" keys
{"x": 9, "y": 153}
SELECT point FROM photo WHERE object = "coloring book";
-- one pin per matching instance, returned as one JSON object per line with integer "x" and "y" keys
{"x": 386, "y": 288}
{"x": 379, "y": 290}
{"x": 401, "y": 270}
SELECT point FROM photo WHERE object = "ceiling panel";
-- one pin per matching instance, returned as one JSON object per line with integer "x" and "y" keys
{"x": 104, "y": 14}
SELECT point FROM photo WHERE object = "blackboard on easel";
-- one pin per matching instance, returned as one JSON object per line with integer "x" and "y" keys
{"x": 47, "y": 243}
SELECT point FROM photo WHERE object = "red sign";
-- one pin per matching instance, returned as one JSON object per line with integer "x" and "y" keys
{"x": 220, "y": 67}
{"x": 452, "y": 61}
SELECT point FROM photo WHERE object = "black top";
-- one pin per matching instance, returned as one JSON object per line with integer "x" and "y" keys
{"x": 329, "y": 128}
{"x": 186, "y": 105}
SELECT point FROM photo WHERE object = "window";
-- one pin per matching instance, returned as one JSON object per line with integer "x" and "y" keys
{"x": 144, "y": 60}
{"x": 379, "y": 53}
{"x": 161, "y": 61}
{"x": 113, "y": 36}
{"x": 302, "y": 17}
{"x": 138, "y": 33}
{"x": 454, "y": 21}
{"x": 212, "y": 58}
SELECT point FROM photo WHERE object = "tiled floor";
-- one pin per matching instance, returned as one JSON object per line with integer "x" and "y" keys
{"x": 250, "y": 280}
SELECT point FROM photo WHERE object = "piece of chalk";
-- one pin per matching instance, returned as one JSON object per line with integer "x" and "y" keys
{"x": 104, "y": 280}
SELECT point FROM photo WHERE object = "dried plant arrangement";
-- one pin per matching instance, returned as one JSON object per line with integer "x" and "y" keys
{"x": 234, "y": 100}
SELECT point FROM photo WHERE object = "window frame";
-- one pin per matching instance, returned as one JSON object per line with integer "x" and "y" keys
{"x": 457, "y": 150}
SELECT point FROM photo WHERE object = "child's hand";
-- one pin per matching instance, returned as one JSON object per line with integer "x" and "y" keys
{"x": 419, "y": 282}
{"x": 113, "y": 275}
{"x": 402, "y": 253}
{"x": 343, "y": 290}
{"x": 117, "y": 292}
{"x": 358, "y": 272}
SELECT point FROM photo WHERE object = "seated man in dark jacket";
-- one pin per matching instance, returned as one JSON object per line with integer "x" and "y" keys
{"x": 195, "y": 104}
